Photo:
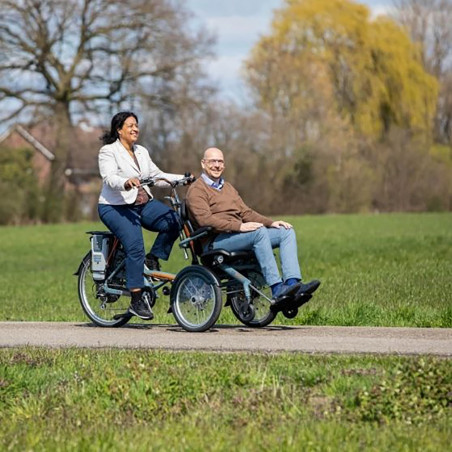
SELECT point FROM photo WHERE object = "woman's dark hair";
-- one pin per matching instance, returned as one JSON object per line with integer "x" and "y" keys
{"x": 116, "y": 123}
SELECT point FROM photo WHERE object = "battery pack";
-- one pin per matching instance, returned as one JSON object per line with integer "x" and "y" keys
{"x": 99, "y": 255}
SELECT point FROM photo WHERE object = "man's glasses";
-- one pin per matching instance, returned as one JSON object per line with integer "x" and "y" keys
{"x": 212, "y": 162}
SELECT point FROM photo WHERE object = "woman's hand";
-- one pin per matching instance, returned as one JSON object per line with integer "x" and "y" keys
{"x": 132, "y": 182}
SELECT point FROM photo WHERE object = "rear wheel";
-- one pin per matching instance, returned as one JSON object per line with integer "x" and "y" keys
{"x": 263, "y": 314}
{"x": 196, "y": 299}
{"x": 99, "y": 306}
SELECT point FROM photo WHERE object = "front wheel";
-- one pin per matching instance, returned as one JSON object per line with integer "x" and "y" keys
{"x": 196, "y": 299}
{"x": 100, "y": 307}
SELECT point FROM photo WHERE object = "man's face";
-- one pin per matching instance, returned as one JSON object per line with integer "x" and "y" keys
{"x": 213, "y": 163}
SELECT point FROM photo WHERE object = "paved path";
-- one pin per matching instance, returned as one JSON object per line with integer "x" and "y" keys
{"x": 304, "y": 339}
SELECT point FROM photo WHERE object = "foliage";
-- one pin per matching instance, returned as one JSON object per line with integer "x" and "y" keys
{"x": 150, "y": 400}
{"x": 19, "y": 192}
{"x": 367, "y": 71}
{"x": 413, "y": 392}
{"x": 347, "y": 101}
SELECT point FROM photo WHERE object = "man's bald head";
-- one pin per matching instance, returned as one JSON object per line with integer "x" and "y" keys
{"x": 213, "y": 153}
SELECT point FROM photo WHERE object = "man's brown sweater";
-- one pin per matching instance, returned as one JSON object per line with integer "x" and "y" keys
{"x": 223, "y": 209}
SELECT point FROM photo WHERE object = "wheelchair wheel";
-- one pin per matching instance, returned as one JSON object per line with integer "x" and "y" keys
{"x": 263, "y": 315}
{"x": 196, "y": 299}
{"x": 101, "y": 308}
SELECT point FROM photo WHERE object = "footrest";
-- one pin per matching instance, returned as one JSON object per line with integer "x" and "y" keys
{"x": 288, "y": 303}
{"x": 282, "y": 303}
{"x": 297, "y": 302}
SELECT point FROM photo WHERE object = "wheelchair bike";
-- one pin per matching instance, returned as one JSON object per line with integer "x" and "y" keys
{"x": 196, "y": 292}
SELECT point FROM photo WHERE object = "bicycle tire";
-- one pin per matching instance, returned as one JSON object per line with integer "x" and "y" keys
{"x": 100, "y": 308}
{"x": 196, "y": 298}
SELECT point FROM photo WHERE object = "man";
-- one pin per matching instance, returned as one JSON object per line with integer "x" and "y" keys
{"x": 214, "y": 202}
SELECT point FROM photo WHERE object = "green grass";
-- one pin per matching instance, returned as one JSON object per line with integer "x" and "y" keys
{"x": 377, "y": 270}
{"x": 139, "y": 400}
{"x": 388, "y": 270}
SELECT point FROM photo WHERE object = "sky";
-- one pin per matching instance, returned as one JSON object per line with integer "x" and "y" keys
{"x": 237, "y": 25}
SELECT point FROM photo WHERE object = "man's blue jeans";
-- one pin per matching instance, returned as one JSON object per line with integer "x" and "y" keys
{"x": 126, "y": 223}
{"x": 262, "y": 241}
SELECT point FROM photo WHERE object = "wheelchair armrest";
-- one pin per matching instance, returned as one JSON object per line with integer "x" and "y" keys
{"x": 195, "y": 235}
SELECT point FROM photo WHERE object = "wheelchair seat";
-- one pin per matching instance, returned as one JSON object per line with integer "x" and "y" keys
{"x": 220, "y": 256}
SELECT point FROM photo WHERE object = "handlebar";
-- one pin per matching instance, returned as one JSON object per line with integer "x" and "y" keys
{"x": 186, "y": 180}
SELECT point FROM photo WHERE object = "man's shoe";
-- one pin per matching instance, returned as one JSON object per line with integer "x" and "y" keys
{"x": 308, "y": 288}
{"x": 141, "y": 309}
{"x": 152, "y": 262}
{"x": 284, "y": 294}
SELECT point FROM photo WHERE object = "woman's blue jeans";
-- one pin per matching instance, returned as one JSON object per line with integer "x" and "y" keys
{"x": 262, "y": 241}
{"x": 126, "y": 223}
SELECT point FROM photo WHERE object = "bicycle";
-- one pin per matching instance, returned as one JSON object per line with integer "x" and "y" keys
{"x": 195, "y": 292}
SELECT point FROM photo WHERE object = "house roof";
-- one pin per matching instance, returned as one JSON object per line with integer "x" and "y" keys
{"x": 83, "y": 150}
{"x": 49, "y": 155}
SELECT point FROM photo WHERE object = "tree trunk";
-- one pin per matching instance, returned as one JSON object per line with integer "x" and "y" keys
{"x": 55, "y": 193}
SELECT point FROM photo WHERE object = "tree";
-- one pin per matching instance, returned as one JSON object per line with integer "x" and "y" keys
{"x": 16, "y": 176}
{"x": 429, "y": 24}
{"x": 334, "y": 82}
{"x": 370, "y": 71}
{"x": 70, "y": 58}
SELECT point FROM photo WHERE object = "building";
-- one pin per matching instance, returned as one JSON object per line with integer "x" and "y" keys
{"x": 82, "y": 175}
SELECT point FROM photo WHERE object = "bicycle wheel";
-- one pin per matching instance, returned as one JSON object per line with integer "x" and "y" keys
{"x": 196, "y": 299}
{"x": 99, "y": 306}
{"x": 263, "y": 314}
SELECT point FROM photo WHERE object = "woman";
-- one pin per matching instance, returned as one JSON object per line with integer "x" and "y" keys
{"x": 125, "y": 207}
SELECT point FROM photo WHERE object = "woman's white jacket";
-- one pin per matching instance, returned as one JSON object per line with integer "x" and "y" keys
{"x": 116, "y": 166}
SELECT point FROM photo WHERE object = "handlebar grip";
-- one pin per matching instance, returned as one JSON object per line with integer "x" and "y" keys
{"x": 147, "y": 181}
{"x": 190, "y": 178}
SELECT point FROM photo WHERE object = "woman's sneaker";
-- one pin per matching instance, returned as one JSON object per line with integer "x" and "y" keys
{"x": 141, "y": 309}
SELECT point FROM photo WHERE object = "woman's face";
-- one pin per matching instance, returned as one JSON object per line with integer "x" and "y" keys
{"x": 129, "y": 131}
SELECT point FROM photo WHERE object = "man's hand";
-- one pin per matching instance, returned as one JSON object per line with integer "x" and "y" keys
{"x": 132, "y": 182}
{"x": 250, "y": 226}
{"x": 280, "y": 223}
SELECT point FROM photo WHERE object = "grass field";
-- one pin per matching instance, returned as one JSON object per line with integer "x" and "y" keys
{"x": 378, "y": 270}
{"x": 382, "y": 270}
{"x": 88, "y": 400}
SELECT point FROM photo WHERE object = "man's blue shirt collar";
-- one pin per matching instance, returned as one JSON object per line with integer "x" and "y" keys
{"x": 217, "y": 185}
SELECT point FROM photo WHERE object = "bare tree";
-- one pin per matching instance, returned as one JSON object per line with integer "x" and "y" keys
{"x": 429, "y": 24}
{"x": 68, "y": 58}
